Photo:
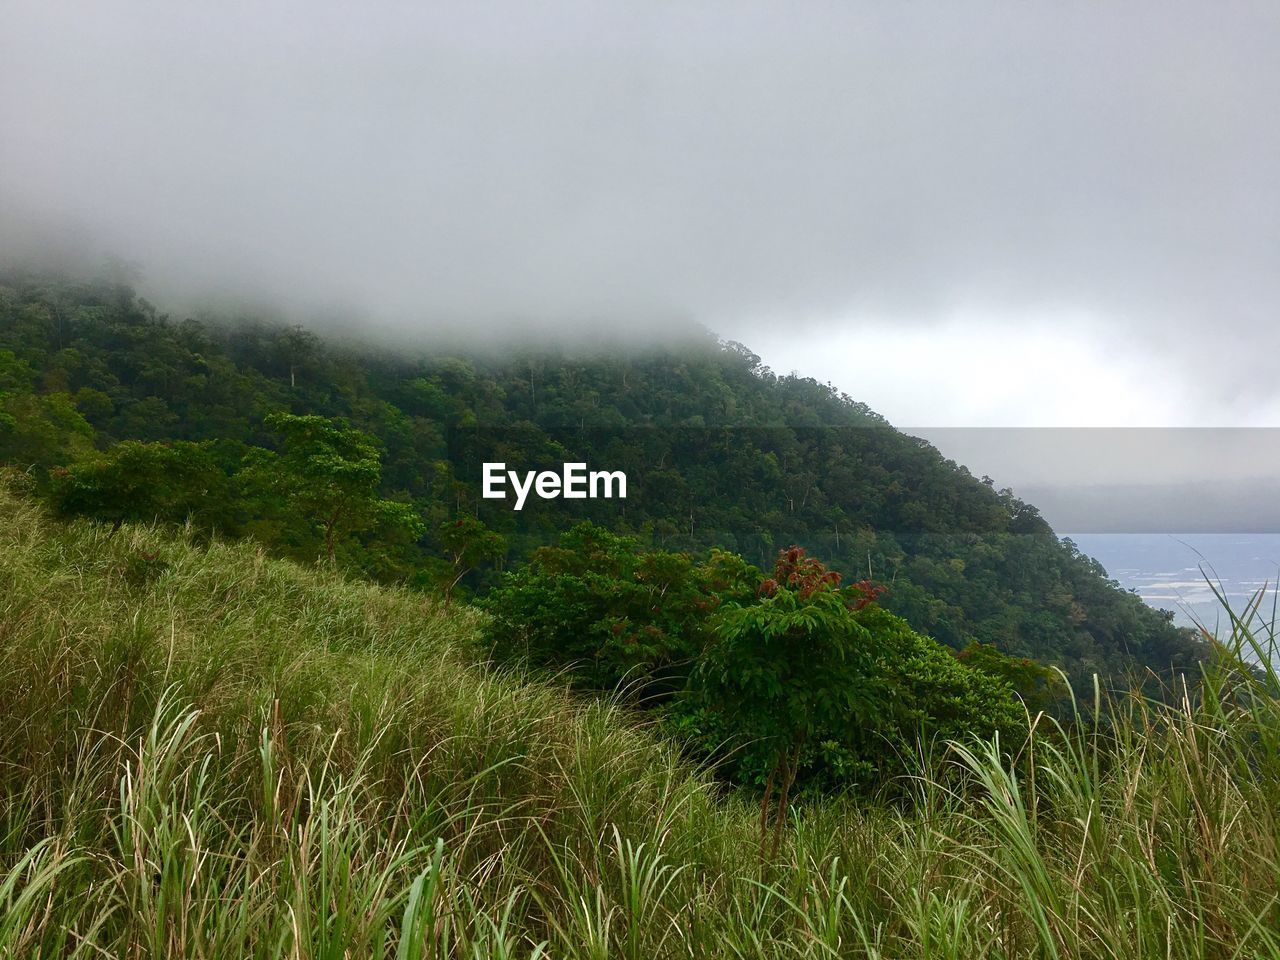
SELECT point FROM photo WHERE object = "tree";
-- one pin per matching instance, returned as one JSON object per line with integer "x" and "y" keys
{"x": 781, "y": 459}
{"x": 468, "y": 543}
{"x": 818, "y": 675}
{"x": 1037, "y": 686}
{"x": 330, "y": 473}
{"x": 143, "y": 481}
{"x": 612, "y": 612}
{"x": 784, "y": 671}
{"x": 41, "y": 430}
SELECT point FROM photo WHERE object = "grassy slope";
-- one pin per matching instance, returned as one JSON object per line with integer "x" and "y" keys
{"x": 206, "y": 753}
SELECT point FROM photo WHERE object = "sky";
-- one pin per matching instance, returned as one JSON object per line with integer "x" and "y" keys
{"x": 962, "y": 213}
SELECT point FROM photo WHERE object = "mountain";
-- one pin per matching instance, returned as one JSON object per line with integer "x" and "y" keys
{"x": 718, "y": 451}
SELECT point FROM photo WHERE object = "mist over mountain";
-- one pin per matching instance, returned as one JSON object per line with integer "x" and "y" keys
{"x": 719, "y": 450}
{"x": 652, "y": 480}
{"x": 1090, "y": 185}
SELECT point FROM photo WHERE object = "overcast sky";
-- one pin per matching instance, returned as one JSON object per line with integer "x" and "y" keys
{"x": 961, "y": 213}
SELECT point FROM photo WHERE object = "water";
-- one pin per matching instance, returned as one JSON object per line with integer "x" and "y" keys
{"x": 1169, "y": 570}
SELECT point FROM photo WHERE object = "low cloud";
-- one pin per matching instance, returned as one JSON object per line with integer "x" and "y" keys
{"x": 753, "y": 167}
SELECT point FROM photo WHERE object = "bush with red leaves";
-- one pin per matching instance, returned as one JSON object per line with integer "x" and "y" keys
{"x": 808, "y": 575}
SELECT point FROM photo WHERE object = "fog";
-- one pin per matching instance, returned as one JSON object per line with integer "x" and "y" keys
{"x": 1134, "y": 480}
{"x": 798, "y": 176}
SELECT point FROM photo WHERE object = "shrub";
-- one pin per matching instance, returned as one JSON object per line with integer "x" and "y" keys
{"x": 778, "y": 679}
{"x": 145, "y": 482}
{"x": 815, "y": 682}
{"x": 614, "y": 613}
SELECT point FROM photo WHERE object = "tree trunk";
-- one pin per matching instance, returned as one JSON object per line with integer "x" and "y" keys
{"x": 448, "y": 591}
{"x": 764, "y": 809}
{"x": 789, "y": 777}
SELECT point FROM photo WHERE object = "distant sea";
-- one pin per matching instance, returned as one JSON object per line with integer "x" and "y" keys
{"x": 1169, "y": 570}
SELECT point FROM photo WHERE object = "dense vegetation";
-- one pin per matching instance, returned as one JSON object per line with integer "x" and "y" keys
{"x": 208, "y": 753}
{"x": 791, "y": 679}
{"x": 122, "y": 413}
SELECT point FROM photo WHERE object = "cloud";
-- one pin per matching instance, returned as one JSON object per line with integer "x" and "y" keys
{"x": 1066, "y": 369}
{"x": 758, "y": 167}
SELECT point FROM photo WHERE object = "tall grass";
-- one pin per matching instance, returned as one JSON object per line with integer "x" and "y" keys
{"x": 205, "y": 753}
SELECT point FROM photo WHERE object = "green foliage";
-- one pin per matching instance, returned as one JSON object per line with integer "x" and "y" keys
{"x": 467, "y": 543}
{"x": 785, "y": 672}
{"x": 144, "y": 481}
{"x": 214, "y": 754}
{"x": 330, "y": 474}
{"x": 1036, "y": 685}
{"x": 615, "y": 613}
{"x": 779, "y": 678}
{"x": 788, "y": 669}
{"x": 818, "y": 682}
{"x": 41, "y": 430}
{"x": 15, "y": 373}
{"x": 720, "y": 452}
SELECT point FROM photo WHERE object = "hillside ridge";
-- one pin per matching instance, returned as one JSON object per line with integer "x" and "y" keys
{"x": 722, "y": 451}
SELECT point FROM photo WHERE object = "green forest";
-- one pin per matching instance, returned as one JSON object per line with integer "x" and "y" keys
{"x": 279, "y": 683}
{"x": 207, "y": 752}
{"x": 118, "y": 411}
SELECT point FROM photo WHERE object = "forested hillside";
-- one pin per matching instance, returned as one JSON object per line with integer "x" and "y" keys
{"x": 719, "y": 450}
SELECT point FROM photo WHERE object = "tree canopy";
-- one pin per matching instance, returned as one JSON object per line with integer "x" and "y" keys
{"x": 720, "y": 452}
